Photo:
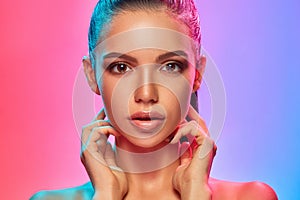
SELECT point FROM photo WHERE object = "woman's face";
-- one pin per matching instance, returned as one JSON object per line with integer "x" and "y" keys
{"x": 145, "y": 70}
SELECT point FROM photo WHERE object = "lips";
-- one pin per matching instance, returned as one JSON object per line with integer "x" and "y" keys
{"x": 147, "y": 121}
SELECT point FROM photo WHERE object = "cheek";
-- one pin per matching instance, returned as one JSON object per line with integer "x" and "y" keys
{"x": 183, "y": 102}
{"x": 107, "y": 86}
{"x": 180, "y": 96}
{"x": 172, "y": 105}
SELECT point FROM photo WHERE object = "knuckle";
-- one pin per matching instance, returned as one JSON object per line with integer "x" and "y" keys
{"x": 84, "y": 131}
{"x": 99, "y": 123}
{"x": 193, "y": 122}
{"x": 195, "y": 125}
{"x": 95, "y": 129}
{"x": 85, "y": 127}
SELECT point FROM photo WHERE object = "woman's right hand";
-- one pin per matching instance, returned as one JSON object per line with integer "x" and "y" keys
{"x": 98, "y": 158}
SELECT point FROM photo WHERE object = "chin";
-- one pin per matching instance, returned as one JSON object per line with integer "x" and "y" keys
{"x": 145, "y": 144}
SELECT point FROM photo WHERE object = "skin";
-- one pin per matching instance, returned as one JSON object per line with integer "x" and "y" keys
{"x": 188, "y": 176}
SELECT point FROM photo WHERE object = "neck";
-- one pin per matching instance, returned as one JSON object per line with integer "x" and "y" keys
{"x": 133, "y": 160}
{"x": 149, "y": 171}
{"x": 155, "y": 185}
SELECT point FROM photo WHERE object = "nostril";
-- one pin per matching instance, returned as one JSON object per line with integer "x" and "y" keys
{"x": 146, "y": 100}
{"x": 146, "y": 94}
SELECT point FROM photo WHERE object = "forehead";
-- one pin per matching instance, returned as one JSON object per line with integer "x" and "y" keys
{"x": 145, "y": 38}
{"x": 132, "y": 31}
{"x": 130, "y": 20}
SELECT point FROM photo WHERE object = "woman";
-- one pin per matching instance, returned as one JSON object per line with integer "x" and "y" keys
{"x": 144, "y": 60}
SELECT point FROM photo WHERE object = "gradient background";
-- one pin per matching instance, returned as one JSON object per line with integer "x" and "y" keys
{"x": 254, "y": 43}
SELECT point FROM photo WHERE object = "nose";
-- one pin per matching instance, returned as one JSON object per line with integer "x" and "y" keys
{"x": 147, "y": 94}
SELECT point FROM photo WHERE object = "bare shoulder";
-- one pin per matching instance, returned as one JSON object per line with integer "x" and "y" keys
{"x": 83, "y": 192}
{"x": 241, "y": 191}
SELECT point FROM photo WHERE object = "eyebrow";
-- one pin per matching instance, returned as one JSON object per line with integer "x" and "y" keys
{"x": 120, "y": 55}
{"x": 159, "y": 58}
{"x": 172, "y": 54}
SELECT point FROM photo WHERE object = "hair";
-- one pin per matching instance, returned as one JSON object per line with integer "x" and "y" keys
{"x": 183, "y": 10}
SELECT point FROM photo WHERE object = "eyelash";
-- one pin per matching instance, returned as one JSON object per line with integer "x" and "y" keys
{"x": 180, "y": 65}
{"x": 112, "y": 67}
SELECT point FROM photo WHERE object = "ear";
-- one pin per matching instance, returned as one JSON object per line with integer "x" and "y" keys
{"x": 199, "y": 73}
{"x": 90, "y": 74}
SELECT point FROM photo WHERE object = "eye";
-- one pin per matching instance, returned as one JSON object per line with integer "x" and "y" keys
{"x": 172, "y": 67}
{"x": 119, "y": 68}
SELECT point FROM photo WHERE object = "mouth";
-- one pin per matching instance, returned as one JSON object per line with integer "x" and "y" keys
{"x": 147, "y": 121}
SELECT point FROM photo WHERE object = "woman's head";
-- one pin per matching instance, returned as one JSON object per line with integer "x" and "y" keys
{"x": 143, "y": 60}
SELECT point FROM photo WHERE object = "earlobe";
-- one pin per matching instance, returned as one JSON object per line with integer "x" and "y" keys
{"x": 197, "y": 81}
{"x": 90, "y": 74}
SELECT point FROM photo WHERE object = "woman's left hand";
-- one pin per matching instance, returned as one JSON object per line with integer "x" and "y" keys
{"x": 191, "y": 177}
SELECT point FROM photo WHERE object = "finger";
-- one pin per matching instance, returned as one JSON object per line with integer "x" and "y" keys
{"x": 185, "y": 153}
{"x": 96, "y": 134}
{"x": 97, "y": 142}
{"x": 194, "y": 115}
{"x": 109, "y": 155}
{"x": 208, "y": 146}
{"x": 101, "y": 115}
{"x": 93, "y": 151}
{"x": 110, "y": 158}
{"x": 102, "y": 142}
{"x": 203, "y": 145}
{"x": 86, "y": 130}
{"x": 189, "y": 128}
{"x": 183, "y": 122}
{"x": 171, "y": 136}
{"x": 203, "y": 157}
{"x": 92, "y": 157}
{"x": 103, "y": 130}
{"x": 94, "y": 124}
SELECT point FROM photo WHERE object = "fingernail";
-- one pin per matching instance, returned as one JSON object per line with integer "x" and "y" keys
{"x": 173, "y": 141}
{"x": 206, "y": 147}
{"x": 84, "y": 58}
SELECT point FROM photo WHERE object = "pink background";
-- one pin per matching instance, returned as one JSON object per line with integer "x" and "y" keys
{"x": 254, "y": 43}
